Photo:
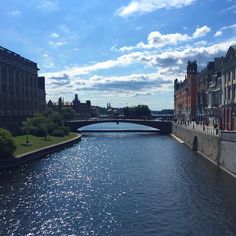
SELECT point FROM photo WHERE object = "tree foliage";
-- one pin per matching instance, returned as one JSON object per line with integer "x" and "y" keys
{"x": 46, "y": 123}
{"x": 7, "y": 145}
{"x": 137, "y": 112}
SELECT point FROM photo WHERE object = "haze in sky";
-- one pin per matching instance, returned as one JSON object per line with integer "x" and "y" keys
{"x": 125, "y": 52}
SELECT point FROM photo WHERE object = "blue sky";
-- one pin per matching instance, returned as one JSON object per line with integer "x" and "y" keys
{"x": 126, "y": 52}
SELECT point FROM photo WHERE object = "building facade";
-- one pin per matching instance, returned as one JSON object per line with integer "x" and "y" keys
{"x": 228, "y": 103}
{"x": 203, "y": 80}
{"x": 22, "y": 92}
{"x": 214, "y": 94}
{"x": 83, "y": 110}
{"x": 185, "y": 94}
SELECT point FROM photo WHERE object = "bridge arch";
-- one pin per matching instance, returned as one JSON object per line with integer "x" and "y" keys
{"x": 165, "y": 127}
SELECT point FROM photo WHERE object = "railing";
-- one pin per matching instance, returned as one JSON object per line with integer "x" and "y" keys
{"x": 201, "y": 128}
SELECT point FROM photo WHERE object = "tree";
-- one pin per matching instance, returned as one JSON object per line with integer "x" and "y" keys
{"x": 7, "y": 145}
{"x": 138, "y": 112}
{"x": 68, "y": 113}
{"x": 36, "y": 126}
{"x": 60, "y": 104}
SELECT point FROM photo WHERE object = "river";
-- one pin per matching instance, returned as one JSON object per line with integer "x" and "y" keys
{"x": 118, "y": 184}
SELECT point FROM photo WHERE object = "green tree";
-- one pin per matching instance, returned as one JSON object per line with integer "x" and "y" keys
{"x": 36, "y": 126}
{"x": 68, "y": 113}
{"x": 60, "y": 104}
{"x": 7, "y": 145}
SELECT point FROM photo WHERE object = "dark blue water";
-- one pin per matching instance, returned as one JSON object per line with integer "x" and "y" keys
{"x": 118, "y": 184}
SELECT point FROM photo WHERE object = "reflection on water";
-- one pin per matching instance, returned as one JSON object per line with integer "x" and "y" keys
{"x": 118, "y": 184}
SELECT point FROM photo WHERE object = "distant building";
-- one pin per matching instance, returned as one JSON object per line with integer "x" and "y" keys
{"x": 185, "y": 94}
{"x": 22, "y": 92}
{"x": 228, "y": 104}
{"x": 83, "y": 110}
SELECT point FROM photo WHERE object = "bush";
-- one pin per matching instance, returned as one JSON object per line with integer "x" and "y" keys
{"x": 58, "y": 133}
{"x": 7, "y": 145}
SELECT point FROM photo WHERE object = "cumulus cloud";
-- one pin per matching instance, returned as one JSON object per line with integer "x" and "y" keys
{"x": 129, "y": 84}
{"x": 168, "y": 65}
{"x": 157, "y": 40}
{"x": 227, "y": 27}
{"x": 202, "y": 31}
{"x": 218, "y": 33}
{"x": 144, "y": 6}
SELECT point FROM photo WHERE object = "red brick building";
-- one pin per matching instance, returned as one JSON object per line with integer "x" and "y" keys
{"x": 185, "y": 94}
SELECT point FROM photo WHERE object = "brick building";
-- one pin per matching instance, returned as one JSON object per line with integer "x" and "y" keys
{"x": 22, "y": 92}
{"x": 185, "y": 94}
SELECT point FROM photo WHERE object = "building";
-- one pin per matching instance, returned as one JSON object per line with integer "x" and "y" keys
{"x": 83, "y": 110}
{"x": 22, "y": 92}
{"x": 228, "y": 102}
{"x": 214, "y": 92}
{"x": 185, "y": 94}
{"x": 203, "y": 80}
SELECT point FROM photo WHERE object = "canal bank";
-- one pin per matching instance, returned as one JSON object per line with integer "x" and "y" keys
{"x": 219, "y": 149}
{"x": 39, "y": 153}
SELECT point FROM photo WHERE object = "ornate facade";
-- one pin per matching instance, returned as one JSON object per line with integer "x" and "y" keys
{"x": 228, "y": 104}
{"x": 185, "y": 94}
{"x": 22, "y": 92}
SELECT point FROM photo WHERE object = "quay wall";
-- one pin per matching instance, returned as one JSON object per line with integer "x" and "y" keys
{"x": 205, "y": 144}
{"x": 221, "y": 150}
{"x": 228, "y": 151}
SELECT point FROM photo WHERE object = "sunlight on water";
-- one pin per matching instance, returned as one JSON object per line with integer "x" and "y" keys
{"x": 118, "y": 184}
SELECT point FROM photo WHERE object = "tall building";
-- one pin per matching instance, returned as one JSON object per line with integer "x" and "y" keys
{"x": 213, "y": 110}
{"x": 22, "y": 92}
{"x": 228, "y": 102}
{"x": 203, "y": 80}
{"x": 185, "y": 94}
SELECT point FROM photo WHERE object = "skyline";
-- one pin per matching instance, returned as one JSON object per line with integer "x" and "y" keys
{"x": 127, "y": 53}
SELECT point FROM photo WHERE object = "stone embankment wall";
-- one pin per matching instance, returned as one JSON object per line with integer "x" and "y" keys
{"x": 207, "y": 145}
{"x": 228, "y": 151}
{"x": 221, "y": 150}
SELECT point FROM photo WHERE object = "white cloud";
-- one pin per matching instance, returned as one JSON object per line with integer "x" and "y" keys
{"x": 57, "y": 44}
{"x": 48, "y": 6}
{"x": 168, "y": 65}
{"x": 14, "y": 13}
{"x": 54, "y": 35}
{"x": 202, "y": 31}
{"x": 157, "y": 40}
{"x": 228, "y": 27}
{"x": 144, "y": 6}
{"x": 218, "y": 33}
{"x": 231, "y": 8}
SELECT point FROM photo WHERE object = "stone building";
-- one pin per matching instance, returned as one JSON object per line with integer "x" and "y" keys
{"x": 228, "y": 103}
{"x": 22, "y": 92}
{"x": 185, "y": 94}
{"x": 214, "y": 94}
{"x": 203, "y": 80}
{"x": 83, "y": 110}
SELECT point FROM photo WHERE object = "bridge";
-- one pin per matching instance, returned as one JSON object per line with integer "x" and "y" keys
{"x": 165, "y": 127}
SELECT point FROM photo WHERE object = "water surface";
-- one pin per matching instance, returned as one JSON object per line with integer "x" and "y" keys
{"x": 118, "y": 184}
